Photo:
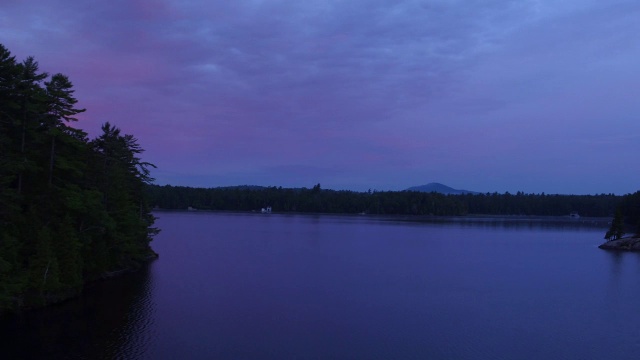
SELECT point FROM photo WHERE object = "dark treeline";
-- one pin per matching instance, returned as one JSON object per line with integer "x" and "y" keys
{"x": 318, "y": 200}
{"x": 629, "y": 210}
{"x": 71, "y": 208}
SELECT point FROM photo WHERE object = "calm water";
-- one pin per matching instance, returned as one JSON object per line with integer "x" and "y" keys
{"x": 253, "y": 286}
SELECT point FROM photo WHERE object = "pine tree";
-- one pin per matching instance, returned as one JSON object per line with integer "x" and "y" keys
{"x": 70, "y": 209}
{"x": 616, "y": 231}
{"x": 60, "y": 109}
{"x": 9, "y": 73}
{"x": 30, "y": 100}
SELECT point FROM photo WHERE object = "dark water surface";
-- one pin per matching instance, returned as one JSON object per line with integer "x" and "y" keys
{"x": 253, "y": 286}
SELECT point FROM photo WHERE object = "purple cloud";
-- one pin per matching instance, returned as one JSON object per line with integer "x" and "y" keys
{"x": 492, "y": 95}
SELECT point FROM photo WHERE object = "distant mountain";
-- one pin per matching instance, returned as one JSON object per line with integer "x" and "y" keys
{"x": 440, "y": 188}
{"x": 243, "y": 187}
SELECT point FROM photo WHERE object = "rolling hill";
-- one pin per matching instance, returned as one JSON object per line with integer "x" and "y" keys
{"x": 440, "y": 188}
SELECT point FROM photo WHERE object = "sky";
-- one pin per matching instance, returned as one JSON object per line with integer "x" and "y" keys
{"x": 484, "y": 95}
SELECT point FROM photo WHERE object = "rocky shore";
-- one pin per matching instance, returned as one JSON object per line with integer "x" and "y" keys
{"x": 622, "y": 244}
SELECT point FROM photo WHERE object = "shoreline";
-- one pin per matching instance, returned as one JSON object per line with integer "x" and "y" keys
{"x": 468, "y": 218}
{"x": 622, "y": 244}
{"x": 408, "y": 216}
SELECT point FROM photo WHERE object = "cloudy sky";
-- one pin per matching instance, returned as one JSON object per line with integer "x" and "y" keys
{"x": 485, "y": 95}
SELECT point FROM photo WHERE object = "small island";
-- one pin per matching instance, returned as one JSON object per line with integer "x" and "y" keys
{"x": 627, "y": 215}
{"x": 622, "y": 244}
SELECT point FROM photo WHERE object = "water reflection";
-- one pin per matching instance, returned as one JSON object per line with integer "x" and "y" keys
{"x": 616, "y": 263}
{"x": 112, "y": 320}
{"x": 503, "y": 222}
{"x": 251, "y": 286}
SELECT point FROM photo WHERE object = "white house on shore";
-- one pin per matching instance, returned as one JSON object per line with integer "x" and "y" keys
{"x": 266, "y": 210}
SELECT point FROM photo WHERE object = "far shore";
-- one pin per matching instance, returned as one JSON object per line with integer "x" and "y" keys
{"x": 590, "y": 221}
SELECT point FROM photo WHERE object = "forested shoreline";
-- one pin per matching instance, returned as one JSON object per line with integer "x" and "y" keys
{"x": 318, "y": 200}
{"x": 623, "y": 210}
{"x": 72, "y": 209}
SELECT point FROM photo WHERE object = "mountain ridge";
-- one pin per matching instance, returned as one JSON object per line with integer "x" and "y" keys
{"x": 440, "y": 188}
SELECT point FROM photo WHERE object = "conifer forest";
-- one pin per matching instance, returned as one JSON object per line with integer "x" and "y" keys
{"x": 72, "y": 209}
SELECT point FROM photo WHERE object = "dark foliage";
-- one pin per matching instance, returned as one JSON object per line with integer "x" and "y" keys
{"x": 71, "y": 209}
{"x": 630, "y": 211}
{"x": 379, "y": 202}
{"x": 616, "y": 231}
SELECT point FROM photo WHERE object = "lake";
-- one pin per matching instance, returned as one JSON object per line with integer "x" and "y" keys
{"x": 274, "y": 286}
